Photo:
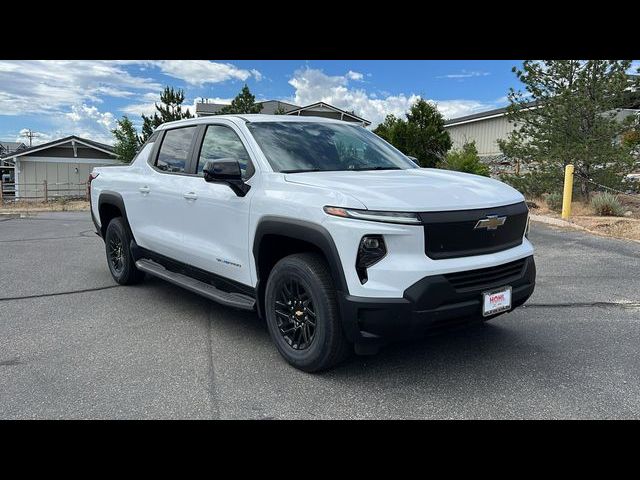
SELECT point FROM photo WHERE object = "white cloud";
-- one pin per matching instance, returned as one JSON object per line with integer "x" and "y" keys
{"x": 200, "y": 72}
{"x": 465, "y": 74}
{"x": 312, "y": 85}
{"x": 48, "y": 86}
{"x": 256, "y": 74}
{"x": 351, "y": 75}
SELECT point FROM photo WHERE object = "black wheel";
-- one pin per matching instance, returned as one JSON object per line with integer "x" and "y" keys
{"x": 121, "y": 265}
{"x": 302, "y": 313}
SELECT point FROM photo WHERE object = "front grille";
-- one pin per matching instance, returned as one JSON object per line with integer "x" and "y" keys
{"x": 452, "y": 234}
{"x": 486, "y": 277}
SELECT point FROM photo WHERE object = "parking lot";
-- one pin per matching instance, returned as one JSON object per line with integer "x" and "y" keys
{"x": 73, "y": 344}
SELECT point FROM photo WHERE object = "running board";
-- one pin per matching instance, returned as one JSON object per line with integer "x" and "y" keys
{"x": 231, "y": 299}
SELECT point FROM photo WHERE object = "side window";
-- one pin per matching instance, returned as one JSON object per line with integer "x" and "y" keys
{"x": 222, "y": 142}
{"x": 175, "y": 148}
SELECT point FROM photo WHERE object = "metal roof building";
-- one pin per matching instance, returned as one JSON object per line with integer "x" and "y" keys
{"x": 269, "y": 107}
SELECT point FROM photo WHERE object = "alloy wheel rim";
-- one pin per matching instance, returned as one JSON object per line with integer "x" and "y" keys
{"x": 295, "y": 314}
{"x": 116, "y": 254}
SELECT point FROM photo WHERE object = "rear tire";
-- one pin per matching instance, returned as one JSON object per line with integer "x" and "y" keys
{"x": 302, "y": 314}
{"x": 121, "y": 264}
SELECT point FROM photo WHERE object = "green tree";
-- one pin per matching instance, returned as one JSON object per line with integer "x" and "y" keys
{"x": 465, "y": 159}
{"x": 386, "y": 129}
{"x": 280, "y": 110}
{"x": 169, "y": 110}
{"x": 421, "y": 135}
{"x": 566, "y": 114}
{"x": 127, "y": 143}
{"x": 245, "y": 102}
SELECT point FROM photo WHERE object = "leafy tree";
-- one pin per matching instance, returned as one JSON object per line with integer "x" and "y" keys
{"x": 465, "y": 159}
{"x": 280, "y": 110}
{"x": 127, "y": 142}
{"x": 245, "y": 102}
{"x": 421, "y": 135}
{"x": 169, "y": 110}
{"x": 566, "y": 115}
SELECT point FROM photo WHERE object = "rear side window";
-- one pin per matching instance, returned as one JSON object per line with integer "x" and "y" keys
{"x": 175, "y": 149}
{"x": 222, "y": 142}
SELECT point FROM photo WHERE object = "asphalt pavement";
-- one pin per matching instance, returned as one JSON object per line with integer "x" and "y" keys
{"x": 73, "y": 344}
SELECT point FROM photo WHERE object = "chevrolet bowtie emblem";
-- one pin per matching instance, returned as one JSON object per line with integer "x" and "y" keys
{"x": 492, "y": 222}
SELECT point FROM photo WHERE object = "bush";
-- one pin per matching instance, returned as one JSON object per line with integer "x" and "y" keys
{"x": 533, "y": 184}
{"x": 554, "y": 201}
{"x": 465, "y": 160}
{"x": 607, "y": 205}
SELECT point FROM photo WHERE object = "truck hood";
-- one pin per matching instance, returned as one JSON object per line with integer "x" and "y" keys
{"x": 413, "y": 190}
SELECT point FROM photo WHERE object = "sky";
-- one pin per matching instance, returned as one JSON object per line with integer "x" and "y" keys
{"x": 59, "y": 98}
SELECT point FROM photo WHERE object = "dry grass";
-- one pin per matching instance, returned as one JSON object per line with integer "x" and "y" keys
{"x": 53, "y": 206}
{"x": 583, "y": 215}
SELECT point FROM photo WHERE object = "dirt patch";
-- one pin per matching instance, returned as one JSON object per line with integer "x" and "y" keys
{"x": 582, "y": 215}
{"x": 55, "y": 206}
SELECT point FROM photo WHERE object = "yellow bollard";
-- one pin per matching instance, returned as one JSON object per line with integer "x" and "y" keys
{"x": 568, "y": 192}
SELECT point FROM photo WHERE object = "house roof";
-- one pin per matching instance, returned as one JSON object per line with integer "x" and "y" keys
{"x": 270, "y": 106}
{"x": 330, "y": 107}
{"x": 11, "y": 146}
{"x": 497, "y": 112}
{"x": 71, "y": 138}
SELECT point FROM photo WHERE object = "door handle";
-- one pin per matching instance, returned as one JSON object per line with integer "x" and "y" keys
{"x": 190, "y": 196}
{"x": 144, "y": 190}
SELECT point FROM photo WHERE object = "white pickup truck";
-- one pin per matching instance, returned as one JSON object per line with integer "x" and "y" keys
{"x": 335, "y": 238}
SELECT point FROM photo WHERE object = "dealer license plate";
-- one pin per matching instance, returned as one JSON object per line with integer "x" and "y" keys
{"x": 496, "y": 301}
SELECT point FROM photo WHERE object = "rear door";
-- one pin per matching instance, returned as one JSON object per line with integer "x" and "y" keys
{"x": 216, "y": 238}
{"x": 159, "y": 207}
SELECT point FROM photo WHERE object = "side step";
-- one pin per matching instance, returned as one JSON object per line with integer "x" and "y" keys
{"x": 233, "y": 299}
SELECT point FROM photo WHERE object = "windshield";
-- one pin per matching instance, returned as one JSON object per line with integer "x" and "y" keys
{"x": 309, "y": 147}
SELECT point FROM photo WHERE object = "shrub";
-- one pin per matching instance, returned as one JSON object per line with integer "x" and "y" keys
{"x": 465, "y": 160}
{"x": 607, "y": 205}
{"x": 533, "y": 184}
{"x": 554, "y": 201}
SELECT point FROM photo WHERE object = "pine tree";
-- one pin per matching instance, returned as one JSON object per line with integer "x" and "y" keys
{"x": 169, "y": 110}
{"x": 127, "y": 143}
{"x": 421, "y": 135}
{"x": 573, "y": 121}
{"x": 245, "y": 102}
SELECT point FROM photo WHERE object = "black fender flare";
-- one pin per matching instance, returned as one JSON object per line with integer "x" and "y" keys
{"x": 112, "y": 198}
{"x": 299, "y": 230}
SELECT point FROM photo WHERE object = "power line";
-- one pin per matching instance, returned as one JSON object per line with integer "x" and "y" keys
{"x": 30, "y": 134}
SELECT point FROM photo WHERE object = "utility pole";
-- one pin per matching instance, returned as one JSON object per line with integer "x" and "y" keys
{"x": 30, "y": 134}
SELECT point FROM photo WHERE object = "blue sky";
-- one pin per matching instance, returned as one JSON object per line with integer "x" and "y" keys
{"x": 57, "y": 98}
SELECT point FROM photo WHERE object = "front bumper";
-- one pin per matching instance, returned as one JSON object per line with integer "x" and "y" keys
{"x": 430, "y": 303}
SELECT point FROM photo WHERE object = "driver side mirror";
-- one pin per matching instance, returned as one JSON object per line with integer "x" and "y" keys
{"x": 226, "y": 170}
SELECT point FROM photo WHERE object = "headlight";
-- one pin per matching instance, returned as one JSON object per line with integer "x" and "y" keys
{"x": 374, "y": 216}
{"x": 526, "y": 228}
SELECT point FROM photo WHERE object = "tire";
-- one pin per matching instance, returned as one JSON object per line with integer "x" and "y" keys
{"x": 121, "y": 264}
{"x": 327, "y": 345}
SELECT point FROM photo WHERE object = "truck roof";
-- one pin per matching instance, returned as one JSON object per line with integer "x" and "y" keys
{"x": 253, "y": 118}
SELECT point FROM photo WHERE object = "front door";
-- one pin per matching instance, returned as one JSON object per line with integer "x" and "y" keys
{"x": 217, "y": 237}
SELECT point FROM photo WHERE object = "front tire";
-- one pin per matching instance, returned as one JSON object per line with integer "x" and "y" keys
{"x": 121, "y": 264}
{"x": 302, "y": 313}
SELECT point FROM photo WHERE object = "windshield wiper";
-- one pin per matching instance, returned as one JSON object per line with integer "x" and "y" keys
{"x": 302, "y": 170}
{"x": 375, "y": 168}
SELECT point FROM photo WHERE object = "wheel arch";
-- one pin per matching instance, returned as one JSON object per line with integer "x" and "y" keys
{"x": 111, "y": 205}
{"x": 277, "y": 237}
